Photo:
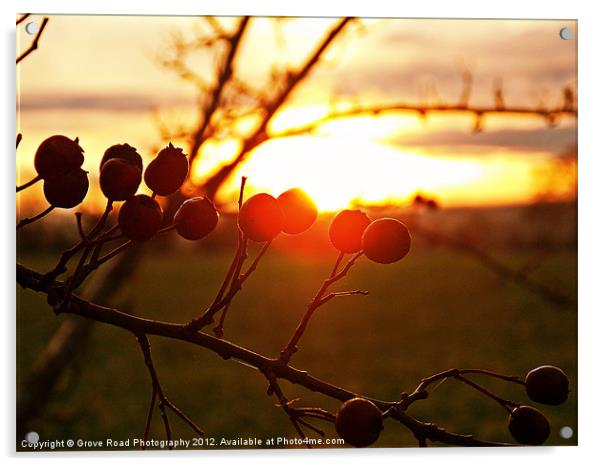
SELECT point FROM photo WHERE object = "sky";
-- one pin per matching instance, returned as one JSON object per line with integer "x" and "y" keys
{"x": 100, "y": 78}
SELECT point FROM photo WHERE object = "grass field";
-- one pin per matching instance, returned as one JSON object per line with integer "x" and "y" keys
{"x": 435, "y": 310}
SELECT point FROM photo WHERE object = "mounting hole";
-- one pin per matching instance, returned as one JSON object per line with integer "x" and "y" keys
{"x": 32, "y": 437}
{"x": 566, "y": 34}
{"x": 566, "y": 432}
{"x": 31, "y": 28}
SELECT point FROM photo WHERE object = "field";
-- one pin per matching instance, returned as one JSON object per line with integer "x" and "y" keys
{"x": 435, "y": 310}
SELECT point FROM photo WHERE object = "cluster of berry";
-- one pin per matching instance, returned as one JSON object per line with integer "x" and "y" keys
{"x": 58, "y": 162}
{"x": 262, "y": 217}
{"x": 359, "y": 421}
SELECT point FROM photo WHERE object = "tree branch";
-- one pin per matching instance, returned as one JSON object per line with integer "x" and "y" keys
{"x": 260, "y": 134}
{"x": 28, "y": 278}
{"x": 423, "y": 111}
{"x": 34, "y": 43}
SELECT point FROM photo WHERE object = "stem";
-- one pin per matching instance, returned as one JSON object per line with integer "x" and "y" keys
{"x": 27, "y": 221}
{"x": 31, "y": 182}
{"x": 315, "y": 303}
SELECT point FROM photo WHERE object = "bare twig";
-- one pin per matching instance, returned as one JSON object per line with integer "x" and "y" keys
{"x": 22, "y": 18}
{"x": 516, "y": 276}
{"x": 34, "y": 43}
{"x": 317, "y": 301}
{"x": 423, "y": 111}
{"x": 158, "y": 392}
{"x": 260, "y": 133}
{"x": 27, "y": 221}
{"x": 223, "y": 76}
{"x": 31, "y": 182}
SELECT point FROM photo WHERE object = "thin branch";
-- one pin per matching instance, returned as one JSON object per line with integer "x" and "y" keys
{"x": 22, "y": 18}
{"x": 223, "y": 77}
{"x": 421, "y": 391}
{"x": 317, "y": 301}
{"x": 423, "y": 111}
{"x": 27, "y": 221}
{"x": 31, "y": 182}
{"x": 28, "y": 278}
{"x": 271, "y": 108}
{"x": 149, "y": 417}
{"x": 518, "y": 277}
{"x": 34, "y": 43}
{"x": 158, "y": 391}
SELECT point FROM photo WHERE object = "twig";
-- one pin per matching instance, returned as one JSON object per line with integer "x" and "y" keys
{"x": 271, "y": 108}
{"x": 317, "y": 301}
{"x": 149, "y": 417}
{"x": 421, "y": 392}
{"x": 423, "y": 111}
{"x": 31, "y": 182}
{"x": 158, "y": 392}
{"x": 27, "y": 221}
{"x": 518, "y": 277}
{"x": 22, "y": 18}
{"x": 223, "y": 77}
{"x": 34, "y": 43}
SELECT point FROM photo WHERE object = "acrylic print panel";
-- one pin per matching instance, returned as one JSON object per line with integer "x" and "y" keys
{"x": 243, "y": 233}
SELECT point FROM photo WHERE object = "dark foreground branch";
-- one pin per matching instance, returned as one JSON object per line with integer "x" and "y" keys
{"x": 34, "y": 42}
{"x": 30, "y": 279}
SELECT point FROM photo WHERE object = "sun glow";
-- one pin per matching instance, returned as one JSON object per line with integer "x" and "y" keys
{"x": 337, "y": 172}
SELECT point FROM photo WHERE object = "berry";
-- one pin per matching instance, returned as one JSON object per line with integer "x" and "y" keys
{"x": 359, "y": 422}
{"x": 386, "y": 240}
{"x": 300, "y": 211}
{"x": 58, "y": 154}
{"x": 528, "y": 426}
{"x": 346, "y": 230}
{"x": 119, "y": 179}
{"x": 548, "y": 385}
{"x": 168, "y": 170}
{"x": 66, "y": 190}
{"x": 140, "y": 218}
{"x": 124, "y": 152}
{"x": 196, "y": 218}
{"x": 260, "y": 218}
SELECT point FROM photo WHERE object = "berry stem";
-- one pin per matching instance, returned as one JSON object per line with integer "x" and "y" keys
{"x": 317, "y": 301}
{"x": 29, "y": 183}
{"x": 27, "y": 221}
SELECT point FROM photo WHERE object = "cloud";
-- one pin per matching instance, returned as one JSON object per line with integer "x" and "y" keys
{"x": 552, "y": 140}
{"x": 108, "y": 102}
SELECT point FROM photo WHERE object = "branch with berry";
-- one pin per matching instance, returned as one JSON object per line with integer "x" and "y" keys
{"x": 261, "y": 219}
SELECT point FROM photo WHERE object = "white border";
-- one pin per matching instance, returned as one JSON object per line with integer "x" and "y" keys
{"x": 590, "y": 202}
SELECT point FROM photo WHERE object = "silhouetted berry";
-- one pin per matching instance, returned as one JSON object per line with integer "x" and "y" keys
{"x": 119, "y": 179}
{"x": 528, "y": 425}
{"x": 66, "y": 190}
{"x": 260, "y": 218}
{"x": 58, "y": 154}
{"x": 346, "y": 230}
{"x": 386, "y": 240}
{"x": 300, "y": 211}
{"x": 359, "y": 422}
{"x": 548, "y": 385}
{"x": 140, "y": 217}
{"x": 124, "y": 152}
{"x": 196, "y": 218}
{"x": 168, "y": 170}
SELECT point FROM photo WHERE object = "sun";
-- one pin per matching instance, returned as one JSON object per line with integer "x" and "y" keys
{"x": 339, "y": 172}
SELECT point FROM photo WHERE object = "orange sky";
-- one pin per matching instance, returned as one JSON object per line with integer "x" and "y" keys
{"x": 98, "y": 78}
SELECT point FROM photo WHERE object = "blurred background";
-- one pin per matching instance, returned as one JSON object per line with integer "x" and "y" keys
{"x": 463, "y": 129}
